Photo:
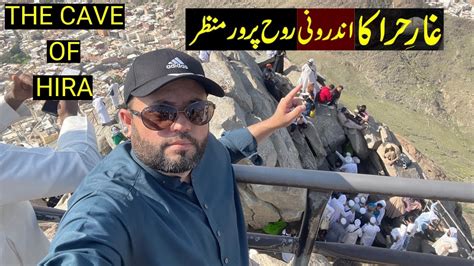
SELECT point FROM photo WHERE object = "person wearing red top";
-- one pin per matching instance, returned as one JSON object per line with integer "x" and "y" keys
{"x": 325, "y": 95}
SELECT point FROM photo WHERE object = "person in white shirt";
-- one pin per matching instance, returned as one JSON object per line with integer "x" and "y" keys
{"x": 353, "y": 233}
{"x": 357, "y": 204}
{"x": 271, "y": 53}
{"x": 309, "y": 75}
{"x": 447, "y": 243}
{"x": 349, "y": 165}
{"x": 369, "y": 231}
{"x": 426, "y": 219}
{"x": 113, "y": 92}
{"x": 399, "y": 236}
{"x": 101, "y": 109}
{"x": 338, "y": 205}
{"x": 411, "y": 230}
{"x": 350, "y": 211}
{"x": 326, "y": 217}
{"x": 363, "y": 199}
{"x": 204, "y": 55}
{"x": 34, "y": 173}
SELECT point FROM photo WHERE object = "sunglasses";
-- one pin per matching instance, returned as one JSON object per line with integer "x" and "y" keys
{"x": 162, "y": 116}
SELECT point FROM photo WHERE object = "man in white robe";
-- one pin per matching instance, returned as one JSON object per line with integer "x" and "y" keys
{"x": 348, "y": 163}
{"x": 309, "y": 75}
{"x": 326, "y": 217}
{"x": 338, "y": 205}
{"x": 350, "y": 211}
{"x": 101, "y": 109}
{"x": 353, "y": 233}
{"x": 204, "y": 55}
{"x": 447, "y": 243}
{"x": 369, "y": 232}
{"x": 399, "y": 235}
{"x": 113, "y": 92}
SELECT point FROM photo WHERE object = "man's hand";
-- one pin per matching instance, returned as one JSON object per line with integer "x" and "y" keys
{"x": 286, "y": 112}
{"x": 22, "y": 90}
{"x": 289, "y": 108}
{"x": 66, "y": 109}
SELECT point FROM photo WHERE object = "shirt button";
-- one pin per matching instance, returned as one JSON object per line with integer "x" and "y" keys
{"x": 218, "y": 233}
{"x": 226, "y": 260}
{"x": 205, "y": 206}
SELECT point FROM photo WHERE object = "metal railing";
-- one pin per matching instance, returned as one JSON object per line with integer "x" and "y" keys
{"x": 270, "y": 243}
{"x": 323, "y": 181}
{"x": 355, "y": 183}
{"x": 452, "y": 223}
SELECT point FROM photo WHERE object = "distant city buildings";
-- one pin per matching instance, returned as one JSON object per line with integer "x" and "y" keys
{"x": 105, "y": 54}
{"x": 457, "y": 8}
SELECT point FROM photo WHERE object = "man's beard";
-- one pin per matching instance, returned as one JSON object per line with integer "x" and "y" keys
{"x": 155, "y": 158}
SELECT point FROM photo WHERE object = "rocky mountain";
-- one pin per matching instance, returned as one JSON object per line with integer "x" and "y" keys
{"x": 429, "y": 88}
{"x": 247, "y": 101}
{"x": 406, "y": 89}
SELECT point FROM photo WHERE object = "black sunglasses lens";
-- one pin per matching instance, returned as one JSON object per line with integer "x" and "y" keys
{"x": 200, "y": 113}
{"x": 159, "y": 117}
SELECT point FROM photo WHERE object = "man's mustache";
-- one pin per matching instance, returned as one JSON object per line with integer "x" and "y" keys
{"x": 182, "y": 136}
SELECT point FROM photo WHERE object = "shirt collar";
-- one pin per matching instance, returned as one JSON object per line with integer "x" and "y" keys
{"x": 171, "y": 182}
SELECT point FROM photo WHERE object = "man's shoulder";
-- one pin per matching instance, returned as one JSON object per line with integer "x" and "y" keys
{"x": 216, "y": 146}
{"x": 116, "y": 173}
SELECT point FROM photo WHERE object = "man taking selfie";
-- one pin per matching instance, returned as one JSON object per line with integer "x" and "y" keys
{"x": 168, "y": 197}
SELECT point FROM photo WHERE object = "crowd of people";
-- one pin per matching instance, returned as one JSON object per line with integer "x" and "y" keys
{"x": 311, "y": 91}
{"x": 399, "y": 224}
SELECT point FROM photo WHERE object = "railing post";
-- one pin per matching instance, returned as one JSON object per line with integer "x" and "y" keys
{"x": 315, "y": 204}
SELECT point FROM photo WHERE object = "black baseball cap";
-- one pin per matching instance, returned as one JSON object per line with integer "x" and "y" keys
{"x": 151, "y": 71}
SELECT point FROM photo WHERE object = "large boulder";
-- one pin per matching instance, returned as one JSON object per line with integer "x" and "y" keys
{"x": 377, "y": 163}
{"x": 257, "y": 212}
{"x": 261, "y": 259}
{"x": 372, "y": 134}
{"x": 387, "y": 135}
{"x": 431, "y": 170}
{"x": 316, "y": 145}
{"x": 247, "y": 102}
{"x": 358, "y": 143}
{"x": 396, "y": 169}
{"x": 330, "y": 131}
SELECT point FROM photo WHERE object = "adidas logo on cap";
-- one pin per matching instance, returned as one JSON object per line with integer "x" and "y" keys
{"x": 176, "y": 63}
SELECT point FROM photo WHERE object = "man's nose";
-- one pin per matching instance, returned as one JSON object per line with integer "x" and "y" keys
{"x": 182, "y": 124}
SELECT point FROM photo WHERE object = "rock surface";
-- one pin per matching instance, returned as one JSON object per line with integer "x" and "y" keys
{"x": 260, "y": 259}
{"x": 247, "y": 102}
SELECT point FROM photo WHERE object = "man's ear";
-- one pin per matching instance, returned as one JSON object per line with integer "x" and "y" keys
{"x": 126, "y": 118}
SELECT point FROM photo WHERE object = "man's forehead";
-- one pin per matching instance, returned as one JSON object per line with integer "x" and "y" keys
{"x": 177, "y": 92}
{"x": 181, "y": 88}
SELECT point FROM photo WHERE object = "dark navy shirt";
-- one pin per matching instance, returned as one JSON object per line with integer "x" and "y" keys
{"x": 125, "y": 213}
